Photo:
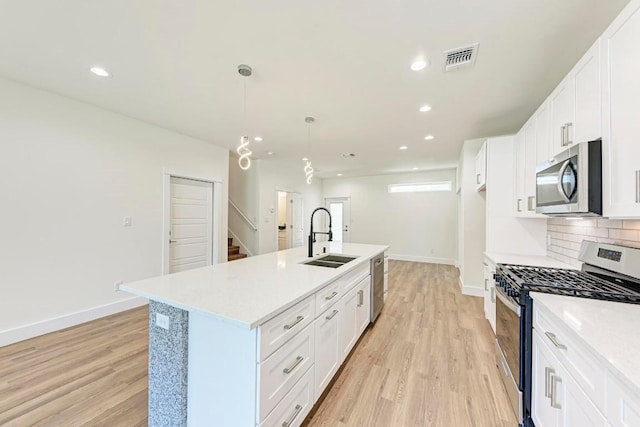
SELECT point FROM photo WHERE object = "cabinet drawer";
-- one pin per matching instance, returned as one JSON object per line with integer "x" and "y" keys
{"x": 295, "y": 406}
{"x": 623, "y": 404}
{"x": 275, "y": 332}
{"x": 352, "y": 278}
{"x": 278, "y": 374}
{"x": 585, "y": 368}
{"x": 328, "y": 296}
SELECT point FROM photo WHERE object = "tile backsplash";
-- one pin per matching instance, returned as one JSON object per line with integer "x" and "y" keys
{"x": 565, "y": 236}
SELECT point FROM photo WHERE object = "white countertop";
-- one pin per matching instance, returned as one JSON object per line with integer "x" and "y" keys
{"x": 252, "y": 290}
{"x": 533, "y": 260}
{"x": 608, "y": 328}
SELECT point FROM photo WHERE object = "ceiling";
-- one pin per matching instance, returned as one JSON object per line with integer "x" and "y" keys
{"x": 346, "y": 63}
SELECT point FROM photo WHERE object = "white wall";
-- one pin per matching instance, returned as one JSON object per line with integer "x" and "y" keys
{"x": 70, "y": 173}
{"x": 274, "y": 176}
{"x": 471, "y": 221}
{"x": 416, "y": 226}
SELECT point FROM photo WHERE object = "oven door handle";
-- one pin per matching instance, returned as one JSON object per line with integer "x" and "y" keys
{"x": 507, "y": 301}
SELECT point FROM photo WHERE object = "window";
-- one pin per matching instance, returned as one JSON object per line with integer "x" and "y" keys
{"x": 420, "y": 186}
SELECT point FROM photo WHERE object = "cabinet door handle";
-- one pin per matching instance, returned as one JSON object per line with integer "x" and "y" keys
{"x": 294, "y": 323}
{"x": 547, "y": 371}
{"x": 518, "y": 205}
{"x": 562, "y": 140}
{"x": 332, "y": 315}
{"x": 568, "y": 127}
{"x": 290, "y": 369}
{"x": 360, "y": 298}
{"x": 477, "y": 178}
{"x": 555, "y": 341}
{"x": 638, "y": 186}
{"x": 553, "y": 379}
{"x": 293, "y": 416}
{"x": 485, "y": 284}
{"x": 530, "y": 203}
{"x": 329, "y": 297}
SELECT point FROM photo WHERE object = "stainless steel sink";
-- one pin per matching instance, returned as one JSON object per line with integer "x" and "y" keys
{"x": 331, "y": 261}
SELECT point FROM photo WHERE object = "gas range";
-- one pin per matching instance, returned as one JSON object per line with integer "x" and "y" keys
{"x": 514, "y": 279}
{"x": 609, "y": 272}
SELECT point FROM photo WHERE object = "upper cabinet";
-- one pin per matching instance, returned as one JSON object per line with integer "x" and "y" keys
{"x": 481, "y": 168}
{"x": 621, "y": 103}
{"x": 532, "y": 148}
{"x": 575, "y": 105}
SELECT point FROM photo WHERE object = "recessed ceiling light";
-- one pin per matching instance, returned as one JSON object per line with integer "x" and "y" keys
{"x": 304, "y": 159}
{"x": 258, "y": 139}
{"x": 415, "y": 169}
{"x": 404, "y": 147}
{"x": 425, "y": 108}
{"x": 429, "y": 137}
{"x": 419, "y": 64}
{"x": 98, "y": 71}
{"x": 270, "y": 153}
{"x": 339, "y": 174}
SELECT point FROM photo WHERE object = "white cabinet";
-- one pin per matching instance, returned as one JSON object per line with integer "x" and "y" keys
{"x": 621, "y": 103}
{"x": 532, "y": 147}
{"x": 585, "y": 78}
{"x": 327, "y": 348}
{"x": 556, "y": 398}
{"x": 544, "y": 368}
{"x": 623, "y": 405}
{"x": 363, "y": 313}
{"x": 561, "y": 116}
{"x": 481, "y": 168}
{"x": 490, "y": 293}
{"x": 355, "y": 315}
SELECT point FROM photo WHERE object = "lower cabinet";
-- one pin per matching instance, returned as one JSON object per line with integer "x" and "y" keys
{"x": 328, "y": 354}
{"x": 295, "y": 406}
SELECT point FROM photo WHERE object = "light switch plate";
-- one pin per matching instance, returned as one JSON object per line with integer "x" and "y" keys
{"x": 162, "y": 321}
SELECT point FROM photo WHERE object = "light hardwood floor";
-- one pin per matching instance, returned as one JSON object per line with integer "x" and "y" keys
{"x": 429, "y": 361}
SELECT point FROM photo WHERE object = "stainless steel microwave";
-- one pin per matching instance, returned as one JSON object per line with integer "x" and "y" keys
{"x": 570, "y": 184}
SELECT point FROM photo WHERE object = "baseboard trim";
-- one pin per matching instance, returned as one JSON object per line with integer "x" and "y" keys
{"x": 429, "y": 260}
{"x": 471, "y": 291}
{"x": 21, "y": 333}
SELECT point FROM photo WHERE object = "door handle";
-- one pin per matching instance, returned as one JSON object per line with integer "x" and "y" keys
{"x": 530, "y": 203}
{"x": 553, "y": 379}
{"x": 568, "y": 126}
{"x": 562, "y": 140}
{"x": 172, "y": 241}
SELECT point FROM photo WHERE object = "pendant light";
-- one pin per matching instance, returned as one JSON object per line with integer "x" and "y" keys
{"x": 308, "y": 169}
{"x": 244, "y": 161}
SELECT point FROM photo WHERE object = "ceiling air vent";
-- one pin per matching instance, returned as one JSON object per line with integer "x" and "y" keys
{"x": 460, "y": 57}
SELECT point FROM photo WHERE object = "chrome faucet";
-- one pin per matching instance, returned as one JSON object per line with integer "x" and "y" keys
{"x": 312, "y": 235}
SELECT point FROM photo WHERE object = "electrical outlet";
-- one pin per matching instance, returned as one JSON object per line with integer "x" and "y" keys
{"x": 116, "y": 285}
{"x": 162, "y": 321}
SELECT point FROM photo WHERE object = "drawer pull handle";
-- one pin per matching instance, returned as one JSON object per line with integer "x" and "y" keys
{"x": 293, "y": 416}
{"x": 332, "y": 315}
{"x": 290, "y": 369}
{"x": 333, "y": 294}
{"x": 555, "y": 341}
{"x": 294, "y": 323}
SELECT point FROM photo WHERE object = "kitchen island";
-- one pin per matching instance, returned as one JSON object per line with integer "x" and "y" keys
{"x": 254, "y": 341}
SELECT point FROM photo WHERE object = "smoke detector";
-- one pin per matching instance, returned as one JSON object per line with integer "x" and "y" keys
{"x": 460, "y": 57}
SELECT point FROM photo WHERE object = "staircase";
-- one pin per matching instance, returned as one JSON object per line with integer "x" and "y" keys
{"x": 233, "y": 252}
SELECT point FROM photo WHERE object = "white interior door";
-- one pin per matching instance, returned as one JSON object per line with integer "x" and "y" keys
{"x": 297, "y": 220}
{"x": 340, "y": 209}
{"x": 190, "y": 225}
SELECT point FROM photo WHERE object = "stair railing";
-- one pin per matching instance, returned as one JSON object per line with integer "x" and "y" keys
{"x": 243, "y": 216}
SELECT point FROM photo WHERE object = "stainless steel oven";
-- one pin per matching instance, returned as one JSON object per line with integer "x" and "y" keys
{"x": 570, "y": 184}
{"x": 508, "y": 354}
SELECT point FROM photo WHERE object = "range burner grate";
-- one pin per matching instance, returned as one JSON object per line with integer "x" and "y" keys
{"x": 562, "y": 282}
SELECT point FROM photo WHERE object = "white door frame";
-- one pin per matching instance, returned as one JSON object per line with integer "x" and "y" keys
{"x": 217, "y": 227}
